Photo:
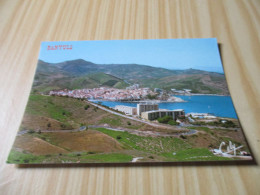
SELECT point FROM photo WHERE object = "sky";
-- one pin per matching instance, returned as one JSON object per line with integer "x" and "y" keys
{"x": 202, "y": 54}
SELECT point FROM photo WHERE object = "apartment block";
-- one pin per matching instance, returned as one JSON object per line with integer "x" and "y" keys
{"x": 146, "y": 107}
{"x": 155, "y": 114}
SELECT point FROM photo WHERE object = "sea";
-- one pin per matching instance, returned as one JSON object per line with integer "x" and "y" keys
{"x": 220, "y": 106}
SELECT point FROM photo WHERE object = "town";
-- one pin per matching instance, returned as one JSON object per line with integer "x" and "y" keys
{"x": 132, "y": 93}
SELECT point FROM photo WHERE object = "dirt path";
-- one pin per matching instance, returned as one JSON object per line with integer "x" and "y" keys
{"x": 52, "y": 131}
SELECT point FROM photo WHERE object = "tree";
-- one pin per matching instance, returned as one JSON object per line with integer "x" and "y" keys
{"x": 172, "y": 122}
{"x": 164, "y": 119}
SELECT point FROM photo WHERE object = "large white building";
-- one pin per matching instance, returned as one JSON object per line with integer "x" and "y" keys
{"x": 155, "y": 114}
{"x": 126, "y": 109}
{"x": 146, "y": 107}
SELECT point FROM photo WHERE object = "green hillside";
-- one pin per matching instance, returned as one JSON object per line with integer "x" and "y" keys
{"x": 97, "y": 80}
{"x": 197, "y": 83}
{"x": 79, "y": 73}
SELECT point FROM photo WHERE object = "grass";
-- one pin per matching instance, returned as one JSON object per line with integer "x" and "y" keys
{"x": 113, "y": 157}
{"x": 148, "y": 144}
{"x": 82, "y": 141}
{"x": 105, "y": 145}
{"x": 17, "y": 157}
{"x": 46, "y": 106}
{"x": 194, "y": 154}
{"x": 111, "y": 120}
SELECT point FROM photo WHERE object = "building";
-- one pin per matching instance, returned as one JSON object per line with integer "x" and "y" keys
{"x": 155, "y": 114}
{"x": 126, "y": 109}
{"x": 146, "y": 107}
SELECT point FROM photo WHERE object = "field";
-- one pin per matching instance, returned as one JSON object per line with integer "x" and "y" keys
{"x": 50, "y": 133}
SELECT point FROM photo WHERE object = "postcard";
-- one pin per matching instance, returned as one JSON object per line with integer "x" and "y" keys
{"x": 129, "y": 101}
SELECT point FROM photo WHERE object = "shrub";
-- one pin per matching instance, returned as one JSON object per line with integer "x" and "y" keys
{"x": 229, "y": 124}
{"x": 86, "y": 107}
{"x": 183, "y": 137}
{"x": 151, "y": 157}
{"x": 31, "y": 131}
{"x": 26, "y": 161}
{"x": 128, "y": 122}
{"x": 172, "y": 122}
{"x": 49, "y": 125}
{"x": 164, "y": 119}
{"x": 151, "y": 97}
{"x": 62, "y": 125}
{"x": 118, "y": 137}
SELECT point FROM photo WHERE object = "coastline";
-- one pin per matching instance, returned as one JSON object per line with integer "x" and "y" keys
{"x": 198, "y": 94}
{"x": 140, "y": 101}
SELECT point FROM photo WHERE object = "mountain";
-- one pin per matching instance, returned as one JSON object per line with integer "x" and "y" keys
{"x": 97, "y": 80}
{"x": 84, "y": 74}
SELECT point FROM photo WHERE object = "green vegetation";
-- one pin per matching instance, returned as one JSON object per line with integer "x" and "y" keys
{"x": 113, "y": 121}
{"x": 46, "y": 105}
{"x": 226, "y": 124}
{"x": 23, "y": 158}
{"x": 194, "y": 154}
{"x": 172, "y": 122}
{"x": 96, "y": 80}
{"x": 167, "y": 120}
{"x": 148, "y": 144}
{"x": 151, "y": 97}
{"x": 82, "y": 74}
{"x": 86, "y": 107}
{"x": 190, "y": 81}
{"x": 113, "y": 157}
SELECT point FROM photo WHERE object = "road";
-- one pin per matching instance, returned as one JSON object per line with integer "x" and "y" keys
{"x": 52, "y": 131}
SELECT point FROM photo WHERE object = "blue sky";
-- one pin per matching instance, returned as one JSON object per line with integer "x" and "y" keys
{"x": 181, "y": 54}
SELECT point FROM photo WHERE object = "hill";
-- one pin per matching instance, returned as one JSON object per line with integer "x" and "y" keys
{"x": 83, "y": 74}
{"x": 97, "y": 80}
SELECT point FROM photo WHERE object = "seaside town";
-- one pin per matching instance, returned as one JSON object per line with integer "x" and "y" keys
{"x": 132, "y": 93}
{"x": 146, "y": 108}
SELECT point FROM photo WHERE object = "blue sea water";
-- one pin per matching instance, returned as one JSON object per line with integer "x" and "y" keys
{"x": 221, "y": 106}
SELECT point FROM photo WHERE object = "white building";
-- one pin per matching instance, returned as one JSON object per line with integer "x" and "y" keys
{"x": 146, "y": 107}
{"x": 155, "y": 114}
{"x": 126, "y": 109}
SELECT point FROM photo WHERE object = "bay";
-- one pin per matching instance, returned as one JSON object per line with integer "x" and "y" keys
{"x": 220, "y": 106}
